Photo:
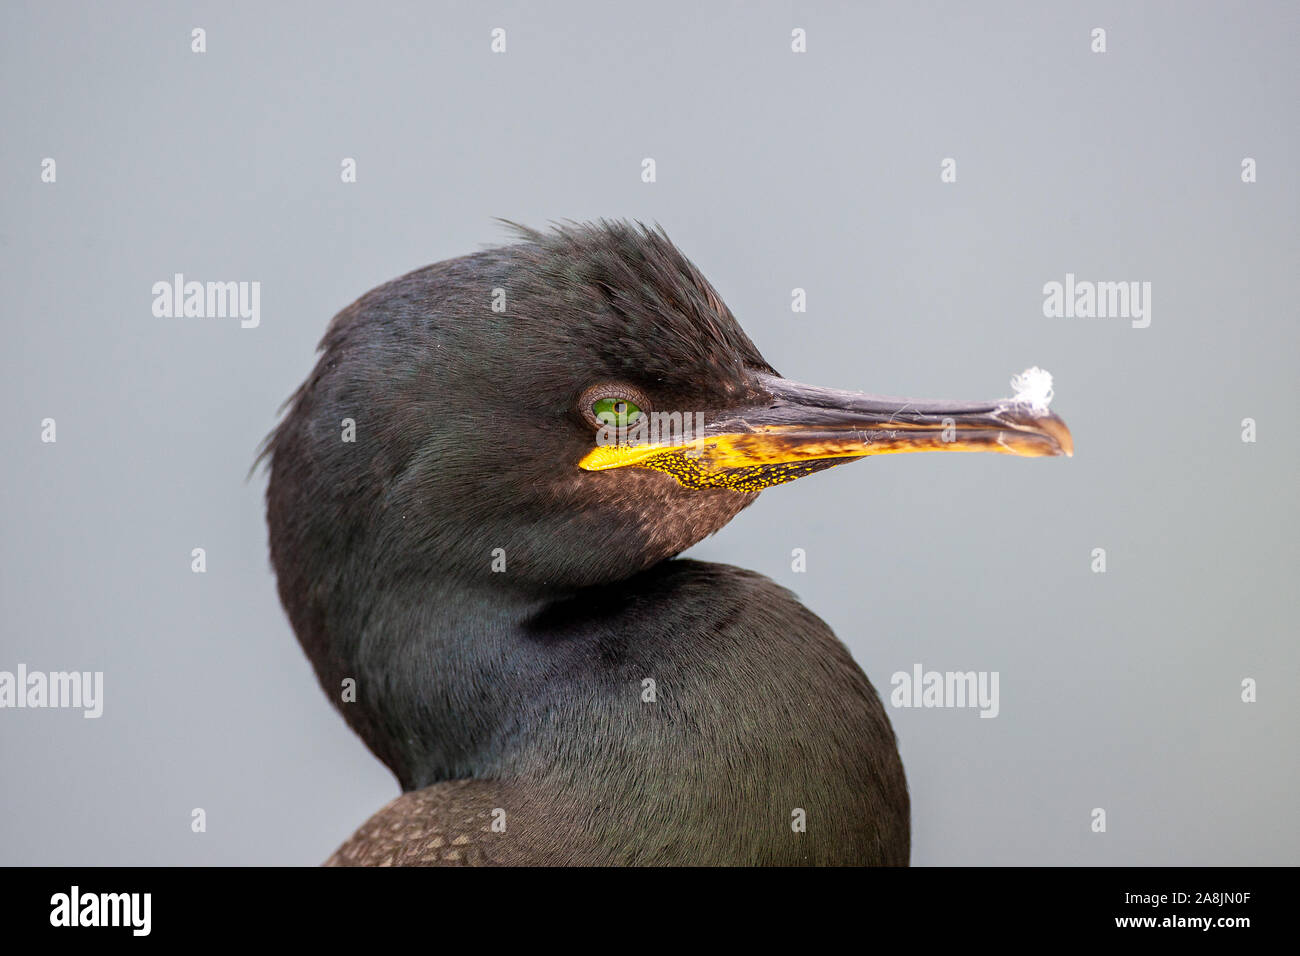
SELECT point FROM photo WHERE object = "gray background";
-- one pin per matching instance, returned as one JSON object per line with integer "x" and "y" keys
{"x": 775, "y": 170}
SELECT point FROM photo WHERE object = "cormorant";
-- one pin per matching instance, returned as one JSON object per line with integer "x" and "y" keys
{"x": 475, "y": 546}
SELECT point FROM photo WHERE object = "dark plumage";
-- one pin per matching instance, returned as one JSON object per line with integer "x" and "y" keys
{"x": 521, "y": 691}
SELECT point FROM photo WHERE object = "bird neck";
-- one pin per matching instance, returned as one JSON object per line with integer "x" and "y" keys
{"x": 432, "y": 673}
{"x": 453, "y": 679}
{"x": 695, "y": 693}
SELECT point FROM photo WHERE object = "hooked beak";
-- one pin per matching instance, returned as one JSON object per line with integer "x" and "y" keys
{"x": 801, "y": 429}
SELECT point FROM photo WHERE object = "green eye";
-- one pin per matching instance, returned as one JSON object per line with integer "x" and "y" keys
{"x": 618, "y": 412}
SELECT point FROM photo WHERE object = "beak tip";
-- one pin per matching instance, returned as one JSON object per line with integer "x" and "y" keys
{"x": 1060, "y": 433}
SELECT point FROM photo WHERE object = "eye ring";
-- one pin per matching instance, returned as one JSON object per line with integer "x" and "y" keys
{"x": 611, "y": 391}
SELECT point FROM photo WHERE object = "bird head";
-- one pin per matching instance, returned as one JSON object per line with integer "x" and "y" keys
{"x": 566, "y": 411}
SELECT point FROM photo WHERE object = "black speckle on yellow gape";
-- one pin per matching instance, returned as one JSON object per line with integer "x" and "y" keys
{"x": 502, "y": 591}
{"x": 692, "y": 473}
